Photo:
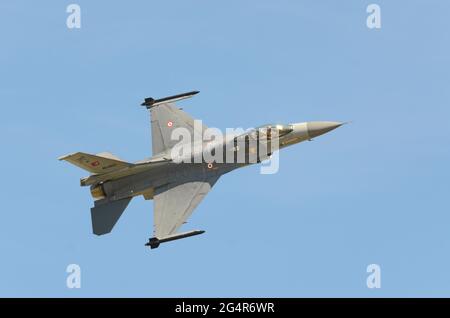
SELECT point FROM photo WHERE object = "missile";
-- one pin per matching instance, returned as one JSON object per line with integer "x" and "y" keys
{"x": 151, "y": 102}
{"x": 154, "y": 241}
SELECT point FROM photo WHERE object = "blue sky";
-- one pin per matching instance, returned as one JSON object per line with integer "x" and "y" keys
{"x": 375, "y": 191}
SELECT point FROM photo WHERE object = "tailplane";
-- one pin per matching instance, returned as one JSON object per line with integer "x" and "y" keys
{"x": 96, "y": 164}
{"x": 105, "y": 213}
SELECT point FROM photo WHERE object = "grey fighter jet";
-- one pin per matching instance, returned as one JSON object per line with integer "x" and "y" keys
{"x": 178, "y": 181}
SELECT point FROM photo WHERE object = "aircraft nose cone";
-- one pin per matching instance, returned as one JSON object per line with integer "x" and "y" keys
{"x": 317, "y": 128}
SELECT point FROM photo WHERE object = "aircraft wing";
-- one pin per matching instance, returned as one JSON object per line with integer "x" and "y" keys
{"x": 165, "y": 118}
{"x": 174, "y": 203}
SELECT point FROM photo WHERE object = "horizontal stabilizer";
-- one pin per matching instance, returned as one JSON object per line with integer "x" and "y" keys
{"x": 105, "y": 216}
{"x": 96, "y": 164}
{"x": 108, "y": 155}
{"x": 120, "y": 173}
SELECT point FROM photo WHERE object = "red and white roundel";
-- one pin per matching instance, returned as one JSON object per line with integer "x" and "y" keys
{"x": 210, "y": 165}
{"x": 95, "y": 163}
{"x": 169, "y": 124}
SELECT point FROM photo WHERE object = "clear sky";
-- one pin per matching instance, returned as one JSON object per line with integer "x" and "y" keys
{"x": 372, "y": 192}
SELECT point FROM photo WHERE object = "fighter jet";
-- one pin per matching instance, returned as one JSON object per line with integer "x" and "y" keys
{"x": 178, "y": 181}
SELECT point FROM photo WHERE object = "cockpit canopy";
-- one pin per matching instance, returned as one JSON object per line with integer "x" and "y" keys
{"x": 272, "y": 131}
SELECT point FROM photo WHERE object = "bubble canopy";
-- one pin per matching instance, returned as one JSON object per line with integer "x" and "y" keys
{"x": 270, "y": 131}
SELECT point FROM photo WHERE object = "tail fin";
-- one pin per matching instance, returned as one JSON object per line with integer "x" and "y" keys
{"x": 96, "y": 164}
{"x": 105, "y": 216}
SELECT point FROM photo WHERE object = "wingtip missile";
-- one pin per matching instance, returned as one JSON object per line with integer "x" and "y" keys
{"x": 150, "y": 102}
{"x": 154, "y": 241}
